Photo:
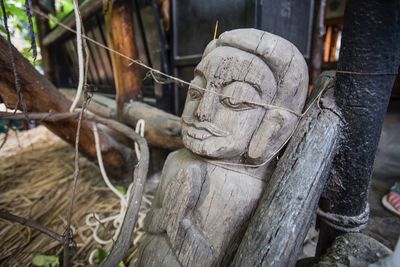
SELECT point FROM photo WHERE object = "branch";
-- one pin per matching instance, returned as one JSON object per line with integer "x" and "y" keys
{"x": 40, "y": 116}
{"x": 123, "y": 242}
{"x": 32, "y": 224}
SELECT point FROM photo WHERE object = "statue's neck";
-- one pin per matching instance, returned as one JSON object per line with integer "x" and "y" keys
{"x": 260, "y": 172}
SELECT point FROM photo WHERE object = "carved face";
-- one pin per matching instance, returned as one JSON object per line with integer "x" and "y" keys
{"x": 218, "y": 126}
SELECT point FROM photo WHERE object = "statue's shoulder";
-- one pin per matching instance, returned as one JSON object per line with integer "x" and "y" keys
{"x": 181, "y": 157}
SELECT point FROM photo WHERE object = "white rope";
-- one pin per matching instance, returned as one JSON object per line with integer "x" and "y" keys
{"x": 93, "y": 220}
{"x": 140, "y": 130}
{"x": 80, "y": 56}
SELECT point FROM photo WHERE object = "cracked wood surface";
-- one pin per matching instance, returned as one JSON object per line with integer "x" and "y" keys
{"x": 210, "y": 189}
{"x": 287, "y": 208}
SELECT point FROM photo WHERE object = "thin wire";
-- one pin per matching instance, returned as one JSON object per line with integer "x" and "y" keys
{"x": 152, "y": 70}
{"x": 180, "y": 81}
{"x": 169, "y": 78}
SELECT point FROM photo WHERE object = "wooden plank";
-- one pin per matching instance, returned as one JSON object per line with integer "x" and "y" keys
{"x": 87, "y": 9}
{"x": 289, "y": 19}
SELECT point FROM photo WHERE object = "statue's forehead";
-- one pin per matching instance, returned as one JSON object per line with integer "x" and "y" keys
{"x": 228, "y": 63}
{"x": 226, "y": 55}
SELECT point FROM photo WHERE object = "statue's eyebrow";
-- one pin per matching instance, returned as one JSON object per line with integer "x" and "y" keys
{"x": 257, "y": 86}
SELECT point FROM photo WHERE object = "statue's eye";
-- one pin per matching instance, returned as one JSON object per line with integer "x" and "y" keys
{"x": 194, "y": 94}
{"x": 235, "y": 104}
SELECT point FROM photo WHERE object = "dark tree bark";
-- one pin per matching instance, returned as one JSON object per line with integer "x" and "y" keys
{"x": 370, "y": 52}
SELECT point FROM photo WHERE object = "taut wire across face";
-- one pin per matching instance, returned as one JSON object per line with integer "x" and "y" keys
{"x": 238, "y": 70}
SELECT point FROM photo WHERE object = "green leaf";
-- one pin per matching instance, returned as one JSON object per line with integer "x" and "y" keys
{"x": 121, "y": 189}
{"x": 46, "y": 261}
{"x": 102, "y": 254}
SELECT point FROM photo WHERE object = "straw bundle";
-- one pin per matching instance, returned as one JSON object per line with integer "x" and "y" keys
{"x": 36, "y": 184}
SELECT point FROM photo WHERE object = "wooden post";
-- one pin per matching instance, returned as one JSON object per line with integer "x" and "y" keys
{"x": 41, "y": 95}
{"x": 317, "y": 40}
{"x": 162, "y": 129}
{"x": 277, "y": 230}
{"x": 121, "y": 37}
{"x": 370, "y": 58}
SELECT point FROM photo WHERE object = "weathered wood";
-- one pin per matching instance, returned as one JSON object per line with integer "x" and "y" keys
{"x": 40, "y": 95}
{"x": 100, "y": 105}
{"x": 277, "y": 230}
{"x": 162, "y": 129}
{"x": 124, "y": 240}
{"x": 86, "y": 9}
{"x": 209, "y": 189}
{"x": 121, "y": 37}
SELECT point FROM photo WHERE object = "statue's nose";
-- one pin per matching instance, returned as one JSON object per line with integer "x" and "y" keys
{"x": 205, "y": 109}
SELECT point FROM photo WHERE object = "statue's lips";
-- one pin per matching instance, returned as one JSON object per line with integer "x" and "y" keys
{"x": 203, "y": 130}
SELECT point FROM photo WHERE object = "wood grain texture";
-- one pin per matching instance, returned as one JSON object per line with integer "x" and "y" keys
{"x": 161, "y": 130}
{"x": 210, "y": 188}
{"x": 121, "y": 37}
{"x": 287, "y": 208}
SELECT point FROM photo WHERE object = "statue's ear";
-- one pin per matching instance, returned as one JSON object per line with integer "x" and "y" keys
{"x": 273, "y": 132}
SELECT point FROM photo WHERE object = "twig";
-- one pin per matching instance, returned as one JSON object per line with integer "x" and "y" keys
{"x": 32, "y": 224}
{"x": 68, "y": 235}
{"x": 40, "y": 116}
{"x": 28, "y": 12}
{"x": 3, "y": 142}
{"x": 123, "y": 242}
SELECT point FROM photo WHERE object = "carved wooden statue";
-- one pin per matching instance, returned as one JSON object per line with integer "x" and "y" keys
{"x": 210, "y": 188}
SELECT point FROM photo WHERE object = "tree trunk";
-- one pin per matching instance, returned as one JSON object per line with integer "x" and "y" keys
{"x": 121, "y": 37}
{"x": 40, "y": 95}
{"x": 162, "y": 130}
{"x": 370, "y": 56}
{"x": 277, "y": 230}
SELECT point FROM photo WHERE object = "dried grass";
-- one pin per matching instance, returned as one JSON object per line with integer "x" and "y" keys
{"x": 35, "y": 183}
